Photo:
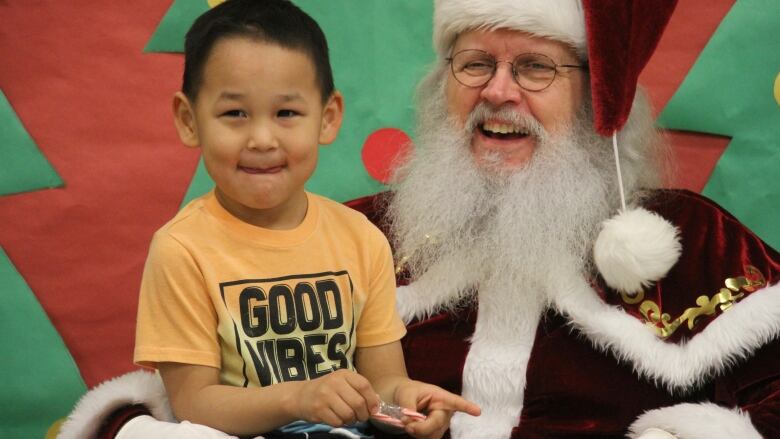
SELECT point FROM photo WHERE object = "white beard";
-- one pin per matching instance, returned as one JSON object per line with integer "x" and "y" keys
{"x": 505, "y": 235}
{"x": 492, "y": 227}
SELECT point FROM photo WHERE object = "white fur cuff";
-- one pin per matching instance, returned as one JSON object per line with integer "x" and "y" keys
{"x": 697, "y": 421}
{"x": 653, "y": 433}
{"x": 146, "y": 427}
{"x": 95, "y": 406}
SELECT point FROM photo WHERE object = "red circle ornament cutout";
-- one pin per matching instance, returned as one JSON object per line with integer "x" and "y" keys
{"x": 383, "y": 151}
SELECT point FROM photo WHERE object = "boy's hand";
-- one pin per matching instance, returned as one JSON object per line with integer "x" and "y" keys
{"x": 338, "y": 398}
{"x": 436, "y": 402}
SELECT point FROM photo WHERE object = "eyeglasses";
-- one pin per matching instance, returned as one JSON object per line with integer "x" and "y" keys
{"x": 531, "y": 71}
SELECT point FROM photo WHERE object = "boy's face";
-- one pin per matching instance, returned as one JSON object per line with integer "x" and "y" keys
{"x": 259, "y": 119}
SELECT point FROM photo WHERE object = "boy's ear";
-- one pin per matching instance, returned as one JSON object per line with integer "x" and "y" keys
{"x": 332, "y": 115}
{"x": 184, "y": 118}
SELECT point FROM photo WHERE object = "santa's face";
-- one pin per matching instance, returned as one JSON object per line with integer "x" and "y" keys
{"x": 555, "y": 107}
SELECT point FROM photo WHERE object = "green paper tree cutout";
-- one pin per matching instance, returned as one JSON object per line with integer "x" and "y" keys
{"x": 42, "y": 381}
{"x": 23, "y": 167}
{"x": 733, "y": 91}
{"x": 169, "y": 35}
{"x": 379, "y": 51}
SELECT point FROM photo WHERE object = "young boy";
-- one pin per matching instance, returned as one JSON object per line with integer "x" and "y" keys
{"x": 263, "y": 305}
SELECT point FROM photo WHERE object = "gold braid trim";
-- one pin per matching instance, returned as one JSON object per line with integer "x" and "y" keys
{"x": 735, "y": 289}
{"x": 400, "y": 265}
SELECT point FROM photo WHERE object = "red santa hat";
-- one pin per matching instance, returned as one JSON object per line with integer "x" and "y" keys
{"x": 616, "y": 38}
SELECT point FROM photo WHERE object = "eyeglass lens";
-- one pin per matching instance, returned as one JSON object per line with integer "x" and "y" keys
{"x": 474, "y": 68}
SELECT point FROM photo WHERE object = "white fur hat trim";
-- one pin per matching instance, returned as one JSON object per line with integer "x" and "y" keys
{"x": 561, "y": 20}
{"x": 635, "y": 248}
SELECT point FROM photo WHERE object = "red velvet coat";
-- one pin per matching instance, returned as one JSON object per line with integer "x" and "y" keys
{"x": 576, "y": 390}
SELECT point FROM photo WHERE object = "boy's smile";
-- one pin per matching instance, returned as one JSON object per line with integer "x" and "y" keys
{"x": 259, "y": 119}
{"x": 272, "y": 170}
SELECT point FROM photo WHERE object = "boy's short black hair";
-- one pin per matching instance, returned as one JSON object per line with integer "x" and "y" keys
{"x": 274, "y": 21}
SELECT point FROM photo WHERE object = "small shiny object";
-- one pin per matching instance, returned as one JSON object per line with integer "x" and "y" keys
{"x": 392, "y": 414}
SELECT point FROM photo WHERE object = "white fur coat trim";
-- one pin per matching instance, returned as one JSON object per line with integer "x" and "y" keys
{"x": 413, "y": 302}
{"x": 730, "y": 338}
{"x": 561, "y": 20}
{"x": 139, "y": 387}
{"x": 494, "y": 373}
{"x": 697, "y": 421}
{"x": 494, "y": 377}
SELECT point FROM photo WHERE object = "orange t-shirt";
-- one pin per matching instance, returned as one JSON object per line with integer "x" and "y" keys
{"x": 266, "y": 306}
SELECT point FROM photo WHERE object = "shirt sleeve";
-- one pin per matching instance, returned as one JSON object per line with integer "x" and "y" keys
{"x": 176, "y": 320}
{"x": 380, "y": 322}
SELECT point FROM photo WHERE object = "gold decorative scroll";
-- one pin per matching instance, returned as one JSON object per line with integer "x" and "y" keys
{"x": 734, "y": 290}
{"x": 401, "y": 264}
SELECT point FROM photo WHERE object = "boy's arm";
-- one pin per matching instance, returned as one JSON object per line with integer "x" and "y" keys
{"x": 197, "y": 396}
{"x": 384, "y": 368}
{"x": 338, "y": 398}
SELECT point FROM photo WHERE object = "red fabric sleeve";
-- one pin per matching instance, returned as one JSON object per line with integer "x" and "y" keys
{"x": 116, "y": 420}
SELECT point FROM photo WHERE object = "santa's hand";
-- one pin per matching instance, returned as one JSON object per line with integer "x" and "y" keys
{"x": 656, "y": 433}
{"x": 437, "y": 403}
{"x": 146, "y": 427}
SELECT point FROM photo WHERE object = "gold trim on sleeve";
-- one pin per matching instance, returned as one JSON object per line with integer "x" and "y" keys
{"x": 735, "y": 289}
{"x": 400, "y": 265}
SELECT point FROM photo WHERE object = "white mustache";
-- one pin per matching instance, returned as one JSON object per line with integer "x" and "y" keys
{"x": 484, "y": 111}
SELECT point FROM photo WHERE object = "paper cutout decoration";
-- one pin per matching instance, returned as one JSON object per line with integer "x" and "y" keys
{"x": 41, "y": 382}
{"x": 731, "y": 91}
{"x": 23, "y": 167}
{"x": 378, "y": 54}
{"x": 382, "y": 150}
{"x": 201, "y": 183}
{"x": 777, "y": 89}
{"x": 169, "y": 35}
{"x": 54, "y": 430}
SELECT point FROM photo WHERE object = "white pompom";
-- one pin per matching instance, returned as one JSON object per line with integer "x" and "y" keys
{"x": 635, "y": 248}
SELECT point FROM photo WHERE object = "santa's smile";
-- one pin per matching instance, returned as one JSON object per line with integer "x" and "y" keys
{"x": 502, "y": 130}
{"x": 509, "y": 143}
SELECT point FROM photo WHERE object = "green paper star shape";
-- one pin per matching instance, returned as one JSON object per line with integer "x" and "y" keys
{"x": 734, "y": 90}
{"x": 23, "y": 167}
{"x": 42, "y": 381}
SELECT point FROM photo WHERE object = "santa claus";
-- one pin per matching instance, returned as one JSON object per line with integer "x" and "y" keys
{"x": 522, "y": 287}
